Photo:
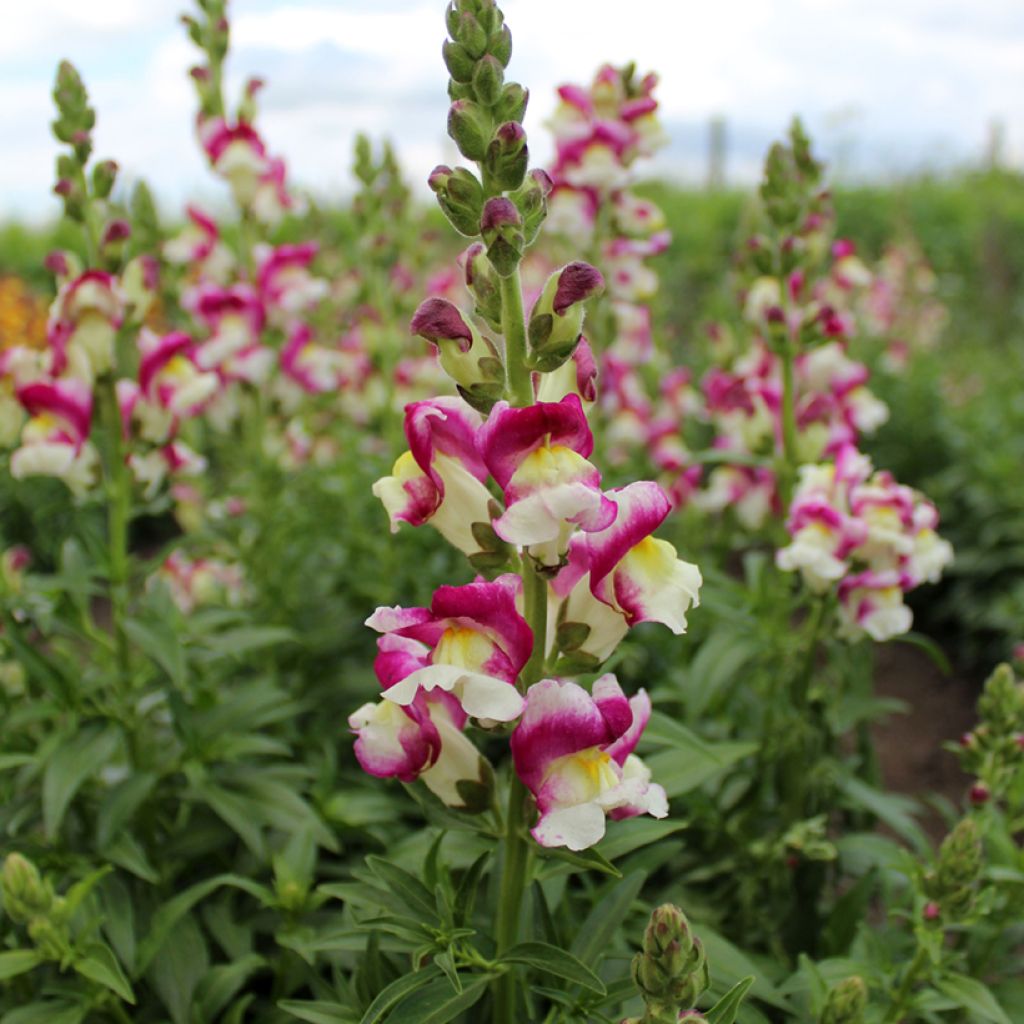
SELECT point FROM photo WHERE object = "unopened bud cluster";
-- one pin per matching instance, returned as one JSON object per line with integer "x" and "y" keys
{"x": 993, "y": 752}
{"x": 846, "y": 1003}
{"x": 671, "y": 969}
{"x": 29, "y": 900}
{"x": 952, "y": 884}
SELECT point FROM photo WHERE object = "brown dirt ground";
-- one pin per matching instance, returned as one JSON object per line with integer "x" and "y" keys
{"x": 910, "y": 746}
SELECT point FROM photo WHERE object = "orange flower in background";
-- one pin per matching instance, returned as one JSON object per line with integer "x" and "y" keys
{"x": 22, "y": 314}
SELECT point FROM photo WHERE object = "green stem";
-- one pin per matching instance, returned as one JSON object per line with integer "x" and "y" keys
{"x": 515, "y": 865}
{"x": 119, "y": 497}
{"x": 513, "y": 322}
{"x": 903, "y": 992}
{"x": 790, "y": 455}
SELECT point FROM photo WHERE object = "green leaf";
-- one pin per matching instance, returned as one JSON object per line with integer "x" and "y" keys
{"x": 607, "y": 915}
{"x": 725, "y": 1010}
{"x": 438, "y": 1002}
{"x": 236, "y": 642}
{"x": 68, "y": 769}
{"x": 732, "y": 965}
{"x": 552, "y": 960}
{"x": 99, "y": 964}
{"x": 18, "y": 961}
{"x": 159, "y": 640}
{"x": 121, "y": 803}
{"x": 164, "y": 920}
{"x": 317, "y": 1011}
{"x": 396, "y": 991}
{"x": 680, "y": 771}
{"x": 404, "y": 885}
{"x": 974, "y": 997}
{"x": 48, "y": 1011}
{"x": 892, "y": 808}
{"x": 176, "y": 972}
{"x": 582, "y": 860}
{"x": 624, "y": 837}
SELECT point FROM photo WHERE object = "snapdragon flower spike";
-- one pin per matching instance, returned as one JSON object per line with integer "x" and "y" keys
{"x": 474, "y": 645}
{"x": 574, "y": 752}
{"x": 871, "y": 602}
{"x": 315, "y": 368}
{"x": 54, "y": 440}
{"x": 423, "y": 740}
{"x": 630, "y": 571}
{"x": 440, "y": 480}
{"x": 823, "y": 538}
{"x": 538, "y": 455}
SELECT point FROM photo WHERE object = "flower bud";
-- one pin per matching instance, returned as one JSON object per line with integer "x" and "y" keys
{"x": 25, "y": 893}
{"x": 460, "y": 197}
{"x": 531, "y": 202}
{"x": 979, "y": 794}
{"x": 469, "y": 125}
{"x": 507, "y": 156}
{"x": 104, "y": 174}
{"x": 932, "y": 911}
{"x": 846, "y": 1002}
{"x": 50, "y": 939}
{"x": 511, "y": 105}
{"x": 458, "y": 62}
{"x": 488, "y": 79}
{"x": 468, "y": 358}
{"x": 953, "y": 882}
{"x": 471, "y": 34}
{"x": 671, "y": 971}
{"x": 499, "y": 45}
{"x": 502, "y": 231}
{"x": 483, "y": 285}
{"x": 556, "y": 320}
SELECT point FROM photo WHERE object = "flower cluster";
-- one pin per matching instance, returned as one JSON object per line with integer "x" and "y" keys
{"x": 503, "y": 472}
{"x": 600, "y": 132}
{"x": 858, "y": 531}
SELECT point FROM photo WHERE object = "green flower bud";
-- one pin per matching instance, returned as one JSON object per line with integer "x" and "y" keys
{"x": 499, "y": 45}
{"x": 104, "y": 174}
{"x": 556, "y": 320}
{"x": 25, "y": 893}
{"x": 488, "y": 79}
{"x": 502, "y": 231}
{"x": 470, "y": 127}
{"x": 460, "y": 196}
{"x": 472, "y": 35}
{"x": 846, "y": 1002}
{"x": 483, "y": 285}
{"x": 458, "y": 62}
{"x": 671, "y": 970}
{"x": 49, "y": 938}
{"x": 507, "y": 156}
{"x": 511, "y": 105}
{"x": 531, "y": 202}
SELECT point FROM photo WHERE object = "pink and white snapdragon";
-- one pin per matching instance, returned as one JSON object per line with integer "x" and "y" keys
{"x": 192, "y": 582}
{"x": 55, "y": 438}
{"x": 865, "y": 536}
{"x": 472, "y": 641}
{"x": 574, "y": 750}
{"x": 538, "y": 456}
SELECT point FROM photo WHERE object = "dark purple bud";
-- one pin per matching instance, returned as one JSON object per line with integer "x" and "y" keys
{"x": 116, "y": 231}
{"x": 498, "y": 212}
{"x": 979, "y": 794}
{"x": 439, "y": 177}
{"x": 931, "y": 911}
{"x": 576, "y": 283}
{"x": 439, "y": 320}
{"x": 64, "y": 187}
{"x": 57, "y": 263}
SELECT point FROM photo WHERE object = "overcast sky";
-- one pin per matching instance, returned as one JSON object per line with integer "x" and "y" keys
{"x": 886, "y": 86}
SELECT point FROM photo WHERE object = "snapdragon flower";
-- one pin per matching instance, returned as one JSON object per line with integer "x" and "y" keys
{"x": 574, "y": 751}
{"x": 472, "y": 641}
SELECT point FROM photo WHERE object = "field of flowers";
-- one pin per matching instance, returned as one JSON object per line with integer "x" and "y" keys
{"x": 474, "y": 613}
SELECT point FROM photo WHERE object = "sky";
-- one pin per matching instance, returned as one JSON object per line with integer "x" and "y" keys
{"x": 886, "y": 87}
